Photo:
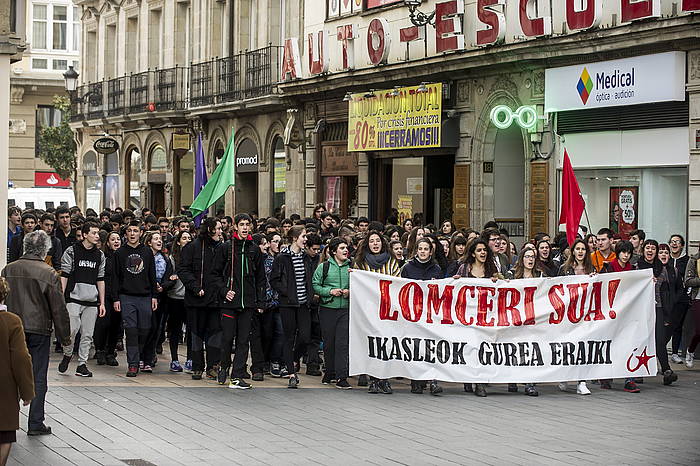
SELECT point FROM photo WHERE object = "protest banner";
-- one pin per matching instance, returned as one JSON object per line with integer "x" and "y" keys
{"x": 521, "y": 331}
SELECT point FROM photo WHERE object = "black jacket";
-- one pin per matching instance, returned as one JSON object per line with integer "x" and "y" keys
{"x": 416, "y": 270}
{"x": 240, "y": 268}
{"x": 197, "y": 271}
{"x": 283, "y": 279}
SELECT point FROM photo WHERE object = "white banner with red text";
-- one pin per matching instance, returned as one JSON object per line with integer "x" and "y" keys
{"x": 532, "y": 330}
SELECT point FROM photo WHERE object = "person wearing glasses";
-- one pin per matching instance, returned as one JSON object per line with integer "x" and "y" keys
{"x": 679, "y": 261}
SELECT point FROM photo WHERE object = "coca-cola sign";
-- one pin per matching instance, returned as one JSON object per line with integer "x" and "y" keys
{"x": 106, "y": 145}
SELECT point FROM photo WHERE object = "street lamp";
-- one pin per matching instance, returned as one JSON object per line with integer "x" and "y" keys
{"x": 418, "y": 18}
{"x": 71, "y": 77}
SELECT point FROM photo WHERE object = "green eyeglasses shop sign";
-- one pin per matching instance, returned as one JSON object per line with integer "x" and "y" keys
{"x": 525, "y": 117}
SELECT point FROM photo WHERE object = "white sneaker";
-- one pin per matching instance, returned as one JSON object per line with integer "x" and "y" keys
{"x": 563, "y": 386}
{"x": 676, "y": 359}
{"x": 689, "y": 359}
{"x": 582, "y": 389}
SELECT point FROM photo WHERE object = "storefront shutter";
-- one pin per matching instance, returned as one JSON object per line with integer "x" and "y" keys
{"x": 645, "y": 116}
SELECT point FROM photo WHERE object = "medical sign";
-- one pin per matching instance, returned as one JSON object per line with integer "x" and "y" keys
{"x": 629, "y": 81}
{"x": 402, "y": 118}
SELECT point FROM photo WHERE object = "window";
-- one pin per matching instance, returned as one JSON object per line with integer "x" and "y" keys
{"x": 279, "y": 179}
{"x": 76, "y": 31}
{"x": 28, "y": 205}
{"x": 60, "y": 27}
{"x": 76, "y": 65}
{"x": 46, "y": 116}
{"x": 60, "y": 65}
{"x": 39, "y": 23}
{"x": 158, "y": 160}
{"x": 40, "y": 63}
{"x": 50, "y": 204}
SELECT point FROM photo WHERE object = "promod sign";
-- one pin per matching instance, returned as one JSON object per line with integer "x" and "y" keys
{"x": 403, "y": 118}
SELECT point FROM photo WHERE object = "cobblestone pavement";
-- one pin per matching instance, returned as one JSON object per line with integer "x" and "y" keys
{"x": 169, "y": 419}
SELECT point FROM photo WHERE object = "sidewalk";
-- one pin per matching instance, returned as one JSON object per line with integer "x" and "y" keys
{"x": 168, "y": 419}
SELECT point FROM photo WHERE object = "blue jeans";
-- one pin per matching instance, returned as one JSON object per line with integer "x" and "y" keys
{"x": 39, "y": 348}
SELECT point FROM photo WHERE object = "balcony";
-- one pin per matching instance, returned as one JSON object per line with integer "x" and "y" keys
{"x": 246, "y": 75}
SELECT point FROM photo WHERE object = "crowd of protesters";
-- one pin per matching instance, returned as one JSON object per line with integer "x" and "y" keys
{"x": 274, "y": 292}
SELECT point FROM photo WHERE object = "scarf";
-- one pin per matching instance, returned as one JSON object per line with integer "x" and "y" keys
{"x": 656, "y": 265}
{"x": 377, "y": 261}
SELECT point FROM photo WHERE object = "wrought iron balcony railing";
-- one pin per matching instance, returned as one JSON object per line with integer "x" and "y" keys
{"x": 246, "y": 75}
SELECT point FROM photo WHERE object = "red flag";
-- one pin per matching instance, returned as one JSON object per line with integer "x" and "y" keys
{"x": 572, "y": 203}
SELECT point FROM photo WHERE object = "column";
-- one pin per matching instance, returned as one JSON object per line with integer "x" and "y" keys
{"x": 693, "y": 88}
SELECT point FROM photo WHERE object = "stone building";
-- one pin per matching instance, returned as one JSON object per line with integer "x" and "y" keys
{"x": 53, "y": 44}
{"x": 157, "y": 72}
{"x": 616, "y": 84}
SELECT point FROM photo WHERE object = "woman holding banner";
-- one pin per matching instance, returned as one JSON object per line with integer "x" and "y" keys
{"x": 578, "y": 263}
{"x": 373, "y": 256}
{"x": 662, "y": 292}
{"x": 478, "y": 263}
{"x": 423, "y": 267}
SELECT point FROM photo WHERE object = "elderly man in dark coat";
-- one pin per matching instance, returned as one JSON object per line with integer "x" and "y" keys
{"x": 36, "y": 297}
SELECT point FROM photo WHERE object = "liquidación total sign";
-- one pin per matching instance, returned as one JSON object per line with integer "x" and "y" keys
{"x": 474, "y": 330}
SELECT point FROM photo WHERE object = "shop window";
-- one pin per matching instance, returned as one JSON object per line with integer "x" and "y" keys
{"x": 652, "y": 199}
{"x": 46, "y": 116}
{"x": 158, "y": 160}
{"x": 134, "y": 168}
{"x": 279, "y": 178}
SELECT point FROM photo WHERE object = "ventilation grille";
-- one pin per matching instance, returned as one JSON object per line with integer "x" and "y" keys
{"x": 645, "y": 116}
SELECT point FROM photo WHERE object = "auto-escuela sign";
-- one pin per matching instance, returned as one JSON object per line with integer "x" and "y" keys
{"x": 404, "y": 118}
{"x": 645, "y": 79}
{"x": 483, "y": 23}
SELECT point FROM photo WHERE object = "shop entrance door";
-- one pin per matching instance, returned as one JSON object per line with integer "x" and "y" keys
{"x": 509, "y": 181}
{"x": 246, "y": 192}
{"x": 157, "y": 197}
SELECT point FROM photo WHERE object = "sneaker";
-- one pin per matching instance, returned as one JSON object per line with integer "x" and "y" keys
{"x": 43, "y": 430}
{"x": 582, "y": 389}
{"x": 468, "y": 388}
{"x": 258, "y": 377}
{"x": 327, "y": 378}
{"x": 689, "y": 359}
{"x": 275, "y": 370}
{"x": 147, "y": 369}
{"x": 676, "y": 358}
{"x": 63, "y": 366}
{"x": 480, "y": 390}
{"x": 133, "y": 371}
{"x": 416, "y": 387}
{"x": 385, "y": 387}
{"x": 313, "y": 370}
{"x": 362, "y": 381}
{"x": 213, "y": 373}
{"x": 605, "y": 385}
{"x": 670, "y": 377}
{"x": 222, "y": 376}
{"x": 111, "y": 360}
{"x": 141, "y": 364}
{"x": 435, "y": 388}
{"x": 83, "y": 371}
{"x": 188, "y": 366}
{"x": 631, "y": 387}
{"x": 293, "y": 382}
{"x": 563, "y": 386}
{"x": 246, "y": 375}
{"x": 239, "y": 384}
{"x": 175, "y": 366}
{"x": 266, "y": 368}
{"x": 343, "y": 384}
{"x": 531, "y": 390}
{"x": 372, "y": 387}
{"x": 101, "y": 358}
{"x": 197, "y": 375}
{"x": 512, "y": 387}
{"x": 284, "y": 373}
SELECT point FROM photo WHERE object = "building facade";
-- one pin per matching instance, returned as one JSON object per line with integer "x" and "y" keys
{"x": 161, "y": 74}
{"x": 635, "y": 150}
{"x": 53, "y": 44}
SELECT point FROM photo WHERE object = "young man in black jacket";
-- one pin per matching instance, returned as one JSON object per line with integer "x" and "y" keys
{"x": 197, "y": 272}
{"x": 82, "y": 279}
{"x": 136, "y": 287}
{"x": 241, "y": 272}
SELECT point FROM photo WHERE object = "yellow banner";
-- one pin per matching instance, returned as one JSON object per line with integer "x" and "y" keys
{"x": 395, "y": 119}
